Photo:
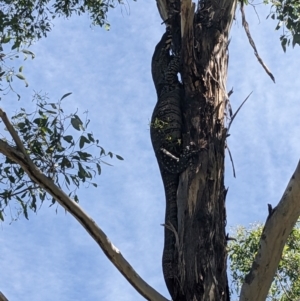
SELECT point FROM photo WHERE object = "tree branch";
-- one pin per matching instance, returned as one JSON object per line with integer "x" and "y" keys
{"x": 246, "y": 27}
{"x": 279, "y": 225}
{"x": 112, "y": 253}
{"x": 2, "y": 297}
{"x": 162, "y": 9}
{"x": 13, "y": 133}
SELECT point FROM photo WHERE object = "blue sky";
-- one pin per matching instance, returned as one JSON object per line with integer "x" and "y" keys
{"x": 51, "y": 256}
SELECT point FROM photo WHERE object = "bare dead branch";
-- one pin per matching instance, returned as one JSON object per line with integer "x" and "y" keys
{"x": 231, "y": 159}
{"x": 274, "y": 236}
{"x": 112, "y": 253}
{"x": 246, "y": 26}
{"x": 234, "y": 115}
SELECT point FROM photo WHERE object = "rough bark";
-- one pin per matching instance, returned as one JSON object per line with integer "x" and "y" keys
{"x": 201, "y": 241}
{"x": 200, "y": 235}
{"x": 2, "y": 297}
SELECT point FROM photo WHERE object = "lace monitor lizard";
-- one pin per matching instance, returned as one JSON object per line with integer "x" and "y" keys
{"x": 166, "y": 135}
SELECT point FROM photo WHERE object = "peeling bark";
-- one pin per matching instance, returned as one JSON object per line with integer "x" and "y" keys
{"x": 201, "y": 191}
{"x": 201, "y": 240}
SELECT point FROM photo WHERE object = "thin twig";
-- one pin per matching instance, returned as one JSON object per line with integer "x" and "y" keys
{"x": 232, "y": 118}
{"x": 230, "y": 156}
{"x": 283, "y": 288}
{"x": 246, "y": 26}
{"x": 28, "y": 188}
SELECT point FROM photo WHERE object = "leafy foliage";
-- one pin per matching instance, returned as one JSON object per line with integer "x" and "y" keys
{"x": 286, "y": 284}
{"x": 60, "y": 146}
{"x": 27, "y": 20}
{"x": 287, "y": 12}
{"x": 8, "y": 73}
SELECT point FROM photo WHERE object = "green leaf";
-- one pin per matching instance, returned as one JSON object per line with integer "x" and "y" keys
{"x": 51, "y": 112}
{"x": 24, "y": 207}
{"x": 90, "y": 137}
{"x": 20, "y": 76}
{"x": 53, "y": 105}
{"x": 98, "y": 168}
{"x": 68, "y": 138}
{"x": 15, "y": 45}
{"x": 7, "y": 169}
{"x": 19, "y": 173}
{"x": 41, "y": 122}
{"x": 21, "y": 125}
{"x": 66, "y": 95}
{"x": 83, "y": 140}
{"x": 12, "y": 179}
{"x": 42, "y": 195}
{"x": 5, "y": 39}
{"x": 296, "y": 39}
{"x": 53, "y": 201}
{"x": 102, "y": 152}
{"x": 18, "y": 115}
{"x": 76, "y": 123}
{"x": 66, "y": 163}
{"x": 24, "y": 194}
{"x": 1, "y": 216}
{"x": 84, "y": 156}
{"x": 74, "y": 180}
{"x": 26, "y": 51}
{"x": 283, "y": 45}
{"x": 67, "y": 179}
{"x": 119, "y": 157}
{"x": 81, "y": 172}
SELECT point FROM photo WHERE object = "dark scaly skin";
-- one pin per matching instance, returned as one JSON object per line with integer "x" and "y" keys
{"x": 166, "y": 134}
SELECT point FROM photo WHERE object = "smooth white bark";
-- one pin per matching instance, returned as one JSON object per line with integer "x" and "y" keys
{"x": 278, "y": 226}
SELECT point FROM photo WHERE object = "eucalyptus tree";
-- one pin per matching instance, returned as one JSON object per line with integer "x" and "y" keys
{"x": 199, "y": 33}
{"x": 40, "y": 155}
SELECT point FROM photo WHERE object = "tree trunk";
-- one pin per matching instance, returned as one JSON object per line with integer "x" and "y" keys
{"x": 200, "y": 238}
